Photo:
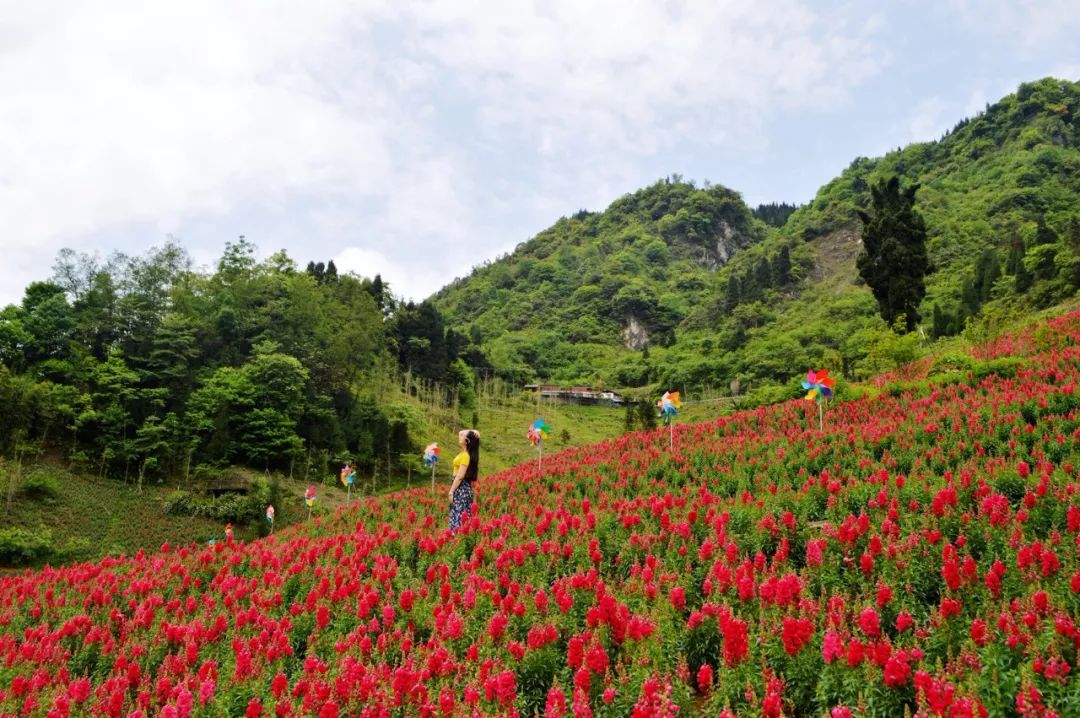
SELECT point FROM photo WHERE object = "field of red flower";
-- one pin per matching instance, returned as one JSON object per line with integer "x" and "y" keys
{"x": 920, "y": 554}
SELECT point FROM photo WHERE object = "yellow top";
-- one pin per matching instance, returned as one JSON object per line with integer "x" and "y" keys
{"x": 461, "y": 460}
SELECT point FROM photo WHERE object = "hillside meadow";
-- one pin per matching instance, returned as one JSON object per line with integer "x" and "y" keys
{"x": 917, "y": 555}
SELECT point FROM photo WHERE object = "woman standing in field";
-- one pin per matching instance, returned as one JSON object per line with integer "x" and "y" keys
{"x": 466, "y": 466}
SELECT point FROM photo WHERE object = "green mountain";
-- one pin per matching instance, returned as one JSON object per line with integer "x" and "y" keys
{"x": 684, "y": 286}
{"x": 598, "y": 286}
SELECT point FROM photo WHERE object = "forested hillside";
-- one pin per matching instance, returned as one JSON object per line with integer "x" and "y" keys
{"x": 682, "y": 286}
{"x": 139, "y": 367}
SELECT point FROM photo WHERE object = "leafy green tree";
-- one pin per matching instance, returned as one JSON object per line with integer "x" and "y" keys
{"x": 1039, "y": 261}
{"x": 894, "y": 262}
{"x": 48, "y": 321}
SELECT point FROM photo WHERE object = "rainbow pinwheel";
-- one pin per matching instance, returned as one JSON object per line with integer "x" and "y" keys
{"x": 819, "y": 385}
{"x": 348, "y": 475}
{"x": 669, "y": 404}
{"x": 538, "y": 432}
{"x": 270, "y": 513}
{"x": 431, "y": 454}
{"x": 309, "y": 496}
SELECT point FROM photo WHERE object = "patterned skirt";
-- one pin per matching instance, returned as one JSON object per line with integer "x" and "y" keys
{"x": 461, "y": 505}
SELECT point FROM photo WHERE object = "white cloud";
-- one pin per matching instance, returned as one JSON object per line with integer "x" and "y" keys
{"x": 413, "y": 280}
{"x": 929, "y": 120}
{"x": 445, "y": 127}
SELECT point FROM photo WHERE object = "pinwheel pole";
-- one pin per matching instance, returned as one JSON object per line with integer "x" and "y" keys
{"x": 819, "y": 387}
{"x": 669, "y": 405}
{"x": 348, "y": 489}
{"x": 537, "y": 432}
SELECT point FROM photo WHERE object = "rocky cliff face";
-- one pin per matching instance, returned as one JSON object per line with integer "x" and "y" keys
{"x": 727, "y": 242}
{"x": 634, "y": 334}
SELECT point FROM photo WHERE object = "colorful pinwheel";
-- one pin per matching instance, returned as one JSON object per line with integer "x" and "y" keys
{"x": 431, "y": 454}
{"x": 270, "y": 513}
{"x": 669, "y": 404}
{"x": 309, "y": 496}
{"x": 348, "y": 475}
{"x": 819, "y": 385}
{"x": 538, "y": 432}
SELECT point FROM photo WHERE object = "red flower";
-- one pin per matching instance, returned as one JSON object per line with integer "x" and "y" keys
{"x": 556, "y": 703}
{"x": 896, "y": 671}
{"x": 704, "y": 677}
{"x": 678, "y": 598}
{"x": 870, "y": 623}
{"x": 796, "y": 633}
{"x": 736, "y": 643}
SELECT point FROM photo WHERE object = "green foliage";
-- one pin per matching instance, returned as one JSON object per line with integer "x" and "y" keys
{"x": 238, "y": 507}
{"x": 38, "y": 485}
{"x": 25, "y": 547}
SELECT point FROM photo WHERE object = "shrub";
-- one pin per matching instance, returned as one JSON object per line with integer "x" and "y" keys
{"x": 25, "y": 547}
{"x": 39, "y": 485}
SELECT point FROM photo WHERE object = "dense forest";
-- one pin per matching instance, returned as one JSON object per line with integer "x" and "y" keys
{"x": 140, "y": 367}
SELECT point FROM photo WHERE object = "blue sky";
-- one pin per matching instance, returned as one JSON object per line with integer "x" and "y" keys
{"x": 418, "y": 139}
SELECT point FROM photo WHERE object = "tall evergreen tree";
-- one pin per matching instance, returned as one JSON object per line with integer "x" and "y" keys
{"x": 941, "y": 322}
{"x": 1022, "y": 276}
{"x": 1043, "y": 232}
{"x": 782, "y": 267}
{"x": 732, "y": 294}
{"x": 378, "y": 292}
{"x": 763, "y": 274}
{"x": 646, "y": 414}
{"x": 987, "y": 272}
{"x": 894, "y": 262}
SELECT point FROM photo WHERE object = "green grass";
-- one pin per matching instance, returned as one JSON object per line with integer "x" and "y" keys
{"x": 90, "y": 517}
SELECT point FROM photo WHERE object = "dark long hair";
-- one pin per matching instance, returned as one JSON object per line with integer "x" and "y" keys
{"x": 472, "y": 447}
